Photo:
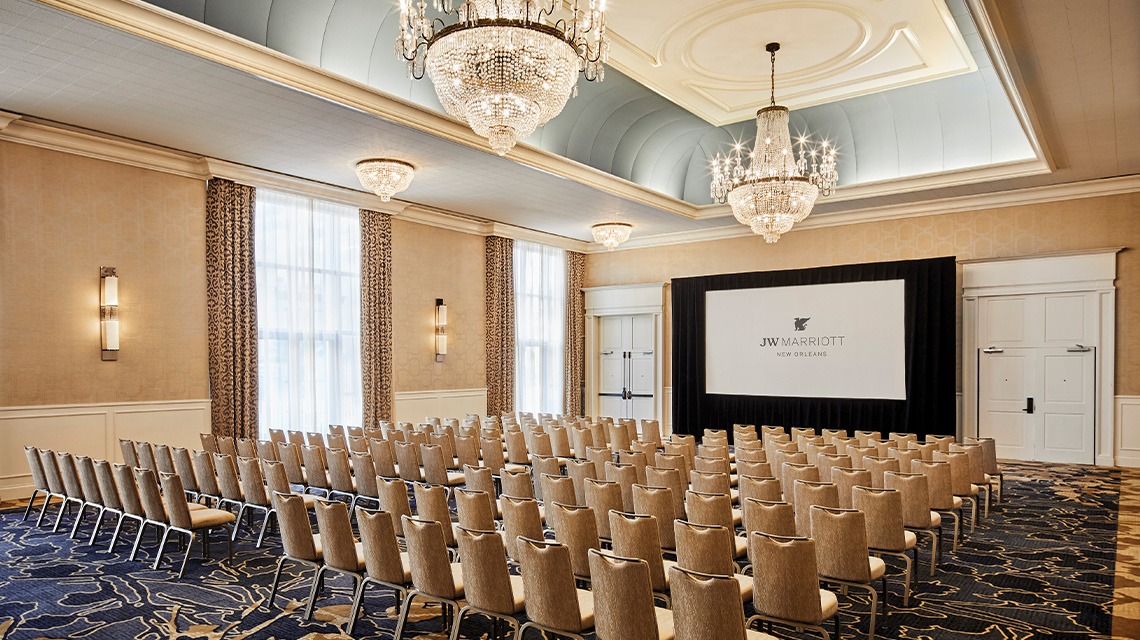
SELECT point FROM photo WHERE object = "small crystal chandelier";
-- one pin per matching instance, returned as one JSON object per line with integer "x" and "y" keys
{"x": 504, "y": 66}
{"x": 611, "y": 234}
{"x": 385, "y": 177}
{"x": 780, "y": 184}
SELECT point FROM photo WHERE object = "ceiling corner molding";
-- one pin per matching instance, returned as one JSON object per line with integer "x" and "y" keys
{"x": 164, "y": 27}
{"x": 530, "y": 235}
{"x": 261, "y": 178}
{"x": 57, "y": 137}
{"x": 7, "y": 119}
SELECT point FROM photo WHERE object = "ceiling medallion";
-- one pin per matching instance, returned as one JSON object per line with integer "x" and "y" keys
{"x": 385, "y": 177}
{"x": 504, "y": 66}
{"x": 780, "y": 184}
{"x": 611, "y": 234}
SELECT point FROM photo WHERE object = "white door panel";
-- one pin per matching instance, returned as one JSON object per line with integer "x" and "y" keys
{"x": 1066, "y": 406}
{"x": 628, "y": 366}
{"x": 1065, "y": 318}
{"x": 1005, "y": 380}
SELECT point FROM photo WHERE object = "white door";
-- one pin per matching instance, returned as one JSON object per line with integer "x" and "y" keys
{"x": 627, "y": 364}
{"x": 1037, "y": 376}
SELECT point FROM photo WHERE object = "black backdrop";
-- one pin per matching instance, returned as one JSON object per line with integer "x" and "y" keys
{"x": 929, "y": 407}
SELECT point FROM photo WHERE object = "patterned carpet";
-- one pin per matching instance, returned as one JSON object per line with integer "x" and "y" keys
{"x": 1042, "y": 566}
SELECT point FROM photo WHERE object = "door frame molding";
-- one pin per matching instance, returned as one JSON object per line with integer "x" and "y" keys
{"x": 625, "y": 300}
{"x": 1071, "y": 272}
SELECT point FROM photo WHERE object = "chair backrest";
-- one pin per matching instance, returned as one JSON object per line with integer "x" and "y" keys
{"x": 174, "y": 498}
{"x": 710, "y": 482}
{"x": 942, "y": 442}
{"x": 938, "y": 481}
{"x": 130, "y": 458}
{"x": 516, "y": 446}
{"x": 108, "y": 488}
{"x": 276, "y": 435}
{"x": 705, "y": 606}
{"x": 184, "y": 467}
{"x": 657, "y": 502}
{"x": 383, "y": 457}
{"x": 70, "y": 476}
{"x": 394, "y": 499}
{"x": 560, "y": 442}
{"x": 580, "y": 471}
{"x": 51, "y": 471}
{"x": 340, "y": 471}
{"x": 905, "y": 456}
{"x": 312, "y": 439}
{"x": 752, "y": 452}
{"x": 828, "y": 461}
{"x": 364, "y": 472}
{"x": 87, "y": 480}
{"x": 128, "y": 490}
{"x": 678, "y": 461}
{"x": 516, "y": 484}
{"x": 521, "y": 517}
{"x": 925, "y": 450}
{"x": 296, "y": 437}
{"x": 381, "y": 550}
{"x": 227, "y": 446}
{"x": 638, "y": 459}
{"x": 625, "y": 475}
{"x": 788, "y": 586}
{"x": 481, "y": 479}
{"x": 914, "y": 495}
{"x": 671, "y": 479}
{"x": 773, "y": 518}
{"x": 145, "y": 455}
{"x": 702, "y": 547}
{"x": 246, "y": 448}
{"x": 275, "y": 478}
{"x": 878, "y": 466}
{"x": 39, "y": 480}
{"x": 714, "y": 464}
{"x": 151, "y": 496}
{"x": 492, "y": 450}
{"x": 959, "y": 470}
{"x": 475, "y": 509}
{"x": 163, "y": 459}
{"x": 989, "y": 454}
{"x": 619, "y": 437}
{"x": 434, "y": 459}
{"x": 204, "y": 473}
{"x": 290, "y": 455}
{"x": 466, "y": 451}
{"x": 599, "y": 455}
{"x": 638, "y": 536}
{"x": 486, "y": 581}
{"x": 809, "y": 494}
{"x": 882, "y": 509}
{"x": 759, "y": 487}
{"x": 603, "y": 497}
{"x": 335, "y": 529}
{"x": 408, "y": 459}
{"x": 548, "y": 581}
{"x": 793, "y": 471}
{"x": 841, "y": 543}
{"x": 252, "y": 482}
{"x": 847, "y": 479}
{"x": 558, "y": 489}
{"x": 227, "y": 474}
{"x": 315, "y": 465}
{"x": 575, "y": 527}
{"x": 580, "y": 439}
{"x": 431, "y": 504}
{"x": 427, "y": 556}
{"x": 296, "y": 532}
{"x": 336, "y": 430}
{"x": 623, "y": 601}
{"x": 976, "y": 457}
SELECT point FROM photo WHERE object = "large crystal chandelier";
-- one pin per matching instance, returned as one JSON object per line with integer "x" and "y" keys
{"x": 504, "y": 66}
{"x": 781, "y": 182}
{"x": 611, "y": 234}
{"x": 385, "y": 177}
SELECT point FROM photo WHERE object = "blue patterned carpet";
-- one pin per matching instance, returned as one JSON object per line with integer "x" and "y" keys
{"x": 1040, "y": 567}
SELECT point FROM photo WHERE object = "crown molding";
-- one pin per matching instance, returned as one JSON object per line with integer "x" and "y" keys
{"x": 7, "y": 119}
{"x": 1015, "y": 198}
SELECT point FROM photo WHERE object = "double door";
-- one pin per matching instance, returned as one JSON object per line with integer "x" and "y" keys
{"x": 627, "y": 366}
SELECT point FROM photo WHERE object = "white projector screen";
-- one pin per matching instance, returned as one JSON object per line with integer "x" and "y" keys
{"x": 841, "y": 340}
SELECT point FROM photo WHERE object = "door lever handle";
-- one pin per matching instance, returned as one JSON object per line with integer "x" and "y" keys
{"x": 1028, "y": 405}
{"x": 1080, "y": 348}
{"x": 993, "y": 350}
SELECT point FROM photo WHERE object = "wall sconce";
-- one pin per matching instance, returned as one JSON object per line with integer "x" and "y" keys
{"x": 440, "y": 329}
{"x": 109, "y": 312}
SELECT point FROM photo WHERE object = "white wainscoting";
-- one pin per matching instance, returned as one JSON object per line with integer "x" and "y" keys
{"x": 92, "y": 430}
{"x": 414, "y": 406}
{"x": 1128, "y": 431}
{"x": 667, "y": 412}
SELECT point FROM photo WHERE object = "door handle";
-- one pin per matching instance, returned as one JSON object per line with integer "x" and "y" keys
{"x": 1080, "y": 348}
{"x": 993, "y": 350}
{"x": 1028, "y": 405}
{"x": 608, "y": 353}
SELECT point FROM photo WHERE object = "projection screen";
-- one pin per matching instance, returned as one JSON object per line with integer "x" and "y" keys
{"x": 841, "y": 340}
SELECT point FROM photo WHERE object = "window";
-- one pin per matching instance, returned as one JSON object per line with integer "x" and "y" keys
{"x": 307, "y": 257}
{"x": 540, "y": 327}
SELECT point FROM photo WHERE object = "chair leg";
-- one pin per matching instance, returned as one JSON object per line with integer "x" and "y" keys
{"x": 313, "y": 591}
{"x": 43, "y": 510}
{"x": 264, "y": 527}
{"x": 162, "y": 547}
{"x": 78, "y": 521}
{"x": 138, "y": 541}
{"x": 115, "y": 536}
{"x": 986, "y": 513}
{"x": 405, "y": 609}
{"x": 874, "y": 611}
{"x": 907, "y": 577}
{"x": 186, "y": 556}
{"x": 459, "y": 618}
{"x": 98, "y": 523}
{"x": 237, "y": 522}
{"x": 357, "y": 602}
{"x": 276, "y": 580}
{"x": 31, "y": 501}
{"x": 59, "y": 517}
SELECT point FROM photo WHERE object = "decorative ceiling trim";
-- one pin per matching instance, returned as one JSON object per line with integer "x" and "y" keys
{"x": 1016, "y": 198}
{"x": 255, "y": 177}
{"x": 164, "y": 27}
{"x": 7, "y": 119}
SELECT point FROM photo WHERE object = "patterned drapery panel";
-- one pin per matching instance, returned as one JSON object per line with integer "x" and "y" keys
{"x": 231, "y": 307}
{"x": 500, "y": 325}
{"x": 575, "y": 332}
{"x": 376, "y": 315}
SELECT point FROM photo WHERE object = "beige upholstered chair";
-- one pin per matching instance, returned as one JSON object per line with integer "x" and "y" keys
{"x": 677, "y": 461}
{"x": 435, "y": 471}
{"x": 809, "y": 494}
{"x": 864, "y": 436}
{"x": 752, "y": 468}
{"x": 669, "y": 478}
{"x": 703, "y": 608}
{"x": 623, "y": 601}
{"x": 517, "y": 484}
{"x": 384, "y": 563}
{"x": 145, "y": 454}
{"x": 843, "y": 556}
{"x": 39, "y": 482}
{"x": 787, "y": 591}
{"x": 432, "y": 504}
{"x": 828, "y": 461}
{"x": 316, "y": 469}
{"x": 474, "y": 509}
{"x": 294, "y": 437}
{"x": 831, "y": 434}
{"x": 651, "y": 431}
{"x": 619, "y": 437}
{"x": 716, "y": 509}
{"x": 560, "y": 442}
{"x": 228, "y": 446}
{"x": 164, "y": 460}
{"x": 434, "y": 577}
{"x": 481, "y": 479}
{"x": 488, "y": 587}
{"x": 71, "y": 487}
{"x": 917, "y": 516}
{"x": 364, "y": 475}
{"x": 182, "y": 519}
{"x": 466, "y": 451}
{"x": 814, "y": 450}
{"x": 109, "y": 491}
{"x": 774, "y": 518}
{"x": 340, "y": 475}
{"x": 905, "y": 456}
{"x": 184, "y": 467}
{"x": 625, "y": 475}
{"x": 977, "y": 471}
{"x": 750, "y": 452}
{"x": 715, "y": 464}
{"x": 225, "y": 467}
{"x": 575, "y": 527}
{"x": 657, "y": 502}
{"x": 277, "y": 481}
{"x": 702, "y": 548}
{"x": 713, "y": 482}
{"x": 255, "y": 496}
{"x": 394, "y": 500}
{"x": 760, "y": 488}
{"x": 603, "y": 497}
{"x": 942, "y": 498}
{"x": 129, "y": 499}
{"x": 290, "y": 455}
{"x": 558, "y": 489}
{"x": 638, "y": 460}
{"x": 942, "y": 442}
{"x": 246, "y": 448}
{"x": 925, "y": 451}
{"x": 886, "y": 536}
{"x": 517, "y": 452}
{"x": 638, "y": 536}
{"x": 580, "y": 440}
{"x": 553, "y": 603}
{"x": 960, "y": 484}
{"x": 847, "y": 479}
{"x": 793, "y": 471}
{"x": 89, "y": 484}
{"x": 408, "y": 461}
{"x": 342, "y": 553}
{"x": 521, "y": 518}
{"x": 131, "y": 458}
{"x": 599, "y": 455}
{"x": 878, "y": 466}
{"x": 990, "y": 463}
{"x": 383, "y": 457}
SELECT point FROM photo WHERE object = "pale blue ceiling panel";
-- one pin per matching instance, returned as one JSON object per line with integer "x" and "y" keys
{"x": 248, "y": 19}
{"x": 610, "y": 135}
{"x": 964, "y": 113}
{"x": 655, "y": 161}
{"x": 874, "y": 138}
{"x": 193, "y": 9}
{"x": 1007, "y": 139}
{"x": 829, "y": 122}
{"x": 297, "y": 28}
{"x": 353, "y": 31}
{"x": 915, "y": 113}
{"x": 637, "y": 136}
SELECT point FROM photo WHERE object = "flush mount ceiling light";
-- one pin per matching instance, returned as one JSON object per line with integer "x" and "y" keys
{"x": 504, "y": 66}
{"x": 779, "y": 185}
{"x": 611, "y": 234}
{"x": 385, "y": 177}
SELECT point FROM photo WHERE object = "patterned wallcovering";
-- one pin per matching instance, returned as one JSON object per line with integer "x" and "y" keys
{"x": 62, "y": 216}
{"x": 376, "y": 315}
{"x": 575, "y": 332}
{"x": 499, "y": 316}
{"x": 1092, "y": 223}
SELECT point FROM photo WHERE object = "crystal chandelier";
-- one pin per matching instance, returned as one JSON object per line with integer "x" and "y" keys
{"x": 611, "y": 234}
{"x": 780, "y": 184}
{"x": 504, "y": 66}
{"x": 385, "y": 177}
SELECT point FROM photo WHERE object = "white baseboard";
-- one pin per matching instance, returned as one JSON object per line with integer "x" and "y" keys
{"x": 92, "y": 430}
{"x": 1127, "y": 445}
{"x": 414, "y": 406}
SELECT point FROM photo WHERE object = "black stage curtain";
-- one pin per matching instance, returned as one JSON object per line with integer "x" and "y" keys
{"x": 930, "y": 342}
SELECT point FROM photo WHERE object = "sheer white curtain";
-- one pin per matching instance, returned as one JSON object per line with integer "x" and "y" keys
{"x": 307, "y": 255}
{"x": 540, "y": 327}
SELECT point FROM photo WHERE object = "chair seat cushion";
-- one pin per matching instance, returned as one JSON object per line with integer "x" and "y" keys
{"x": 664, "y": 623}
{"x": 745, "y": 583}
{"x": 457, "y": 578}
{"x": 586, "y": 607}
{"x": 935, "y": 519}
{"x": 207, "y": 518}
{"x": 828, "y": 603}
{"x": 517, "y": 594}
{"x": 741, "y": 546}
{"x": 406, "y": 565}
{"x": 877, "y": 566}
{"x": 957, "y": 502}
{"x": 195, "y": 506}
{"x": 455, "y": 479}
{"x": 910, "y": 539}
{"x": 751, "y": 634}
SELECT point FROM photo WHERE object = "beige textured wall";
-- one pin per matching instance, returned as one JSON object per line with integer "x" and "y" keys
{"x": 63, "y": 216}
{"x": 430, "y": 263}
{"x": 1090, "y": 223}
